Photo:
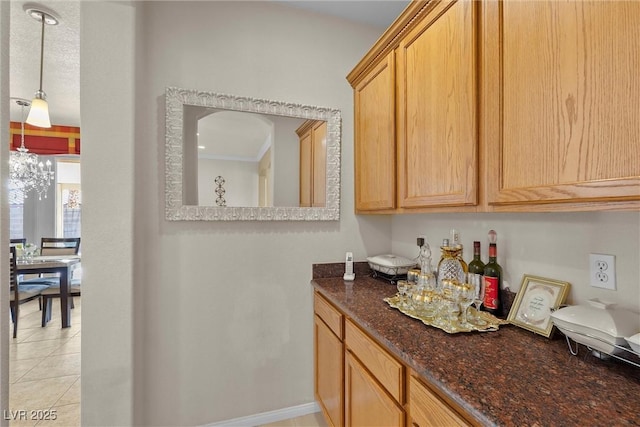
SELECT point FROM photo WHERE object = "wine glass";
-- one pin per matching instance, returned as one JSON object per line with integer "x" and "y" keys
{"x": 466, "y": 298}
{"x": 480, "y": 289}
{"x": 403, "y": 287}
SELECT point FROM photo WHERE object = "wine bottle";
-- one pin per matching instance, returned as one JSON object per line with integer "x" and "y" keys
{"x": 493, "y": 282}
{"x": 476, "y": 266}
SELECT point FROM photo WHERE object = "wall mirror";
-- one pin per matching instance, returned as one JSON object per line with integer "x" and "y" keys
{"x": 238, "y": 158}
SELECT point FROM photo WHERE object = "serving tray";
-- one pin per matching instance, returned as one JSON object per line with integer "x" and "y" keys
{"x": 451, "y": 327}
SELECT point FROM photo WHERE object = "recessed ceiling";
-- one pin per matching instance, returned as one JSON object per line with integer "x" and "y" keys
{"x": 61, "y": 76}
{"x": 233, "y": 135}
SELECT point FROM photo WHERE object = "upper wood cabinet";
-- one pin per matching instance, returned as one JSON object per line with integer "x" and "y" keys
{"x": 313, "y": 163}
{"x": 436, "y": 107}
{"x": 500, "y": 106}
{"x": 375, "y": 146}
{"x": 416, "y": 113}
{"x": 562, "y": 104}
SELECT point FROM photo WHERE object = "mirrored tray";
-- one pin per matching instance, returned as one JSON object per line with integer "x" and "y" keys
{"x": 450, "y": 327}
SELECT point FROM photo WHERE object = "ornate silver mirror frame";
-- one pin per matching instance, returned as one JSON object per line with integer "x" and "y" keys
{"x": 176, "y": 210}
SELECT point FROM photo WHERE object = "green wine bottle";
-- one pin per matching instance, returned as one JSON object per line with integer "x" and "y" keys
{"x": 476, "y": 266}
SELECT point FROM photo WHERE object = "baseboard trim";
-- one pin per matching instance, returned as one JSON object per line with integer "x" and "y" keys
{"x": 269, "y": 417}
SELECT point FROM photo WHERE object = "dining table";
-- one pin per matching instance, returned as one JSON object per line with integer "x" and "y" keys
{"x": 61, "y": 265}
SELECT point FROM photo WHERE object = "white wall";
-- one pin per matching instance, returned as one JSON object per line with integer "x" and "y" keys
{"x": 5, "y": 335}
{"x": 108, "y": 98}
{"x": 553, "y": 245}
{"x": 225, "y": 308}
{"x": 286, "y": 162}
{"x": 241, "y": 182}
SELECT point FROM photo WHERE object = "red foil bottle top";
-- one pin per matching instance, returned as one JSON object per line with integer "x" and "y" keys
{"x": 492, "y": 250}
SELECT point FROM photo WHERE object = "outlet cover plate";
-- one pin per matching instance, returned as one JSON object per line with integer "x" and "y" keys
{"x": 602, "y": 271}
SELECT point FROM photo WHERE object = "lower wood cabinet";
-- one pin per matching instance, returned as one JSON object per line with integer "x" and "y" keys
{"x": 329, "y": 380}
{"x": 366, "y": 401}
{"x": 427, "y": 409}
{"x": 329, "y": 361}
{"x": 360, "y": 383}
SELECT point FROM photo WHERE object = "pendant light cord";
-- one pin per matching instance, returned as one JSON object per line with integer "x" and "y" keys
{"x": 42, "y": 50}
{"x": 22, "y": 125}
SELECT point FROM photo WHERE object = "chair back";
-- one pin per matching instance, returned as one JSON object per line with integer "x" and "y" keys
{"x": 13, "y": 277}
{"x": 59, "y": 246}
{"x": 22, "y": 241}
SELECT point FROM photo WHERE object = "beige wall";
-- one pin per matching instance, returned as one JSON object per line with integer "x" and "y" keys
{"x": 227, "y": 306}
{"x": 202, "y": 322}
{"x": 553, "y": 245}
{"x": 221, "y": 312}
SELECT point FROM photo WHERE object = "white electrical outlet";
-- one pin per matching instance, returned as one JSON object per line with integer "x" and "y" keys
{"x": 602, "y": 270}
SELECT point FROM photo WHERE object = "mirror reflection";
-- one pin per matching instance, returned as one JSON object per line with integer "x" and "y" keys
{"x": 238, "y": 158}
{"x": 251, "y": 159}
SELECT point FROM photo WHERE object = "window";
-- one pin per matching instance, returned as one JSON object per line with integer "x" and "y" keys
{"x": 71, "y": 210}
{"x": 68, "y": 199}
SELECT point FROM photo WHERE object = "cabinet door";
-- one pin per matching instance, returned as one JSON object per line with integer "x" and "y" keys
{"x": 388, "y": 372}
{"x": 426, "y": 409}
{"x": 329, "y": 384}
{"x": 437, "y": 109}
{"x": 375, "y": 172}
{"x": 305, "y": 169}
{"x": 366, "y": 402}
{"x": 319, "y": 164}
{"x": 562, "y": 85}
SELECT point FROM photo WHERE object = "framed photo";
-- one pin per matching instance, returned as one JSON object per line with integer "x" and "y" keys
{"x": 534, "y": 302}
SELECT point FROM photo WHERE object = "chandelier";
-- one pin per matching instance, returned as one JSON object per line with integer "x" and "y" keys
{"x": 26, "y": 172}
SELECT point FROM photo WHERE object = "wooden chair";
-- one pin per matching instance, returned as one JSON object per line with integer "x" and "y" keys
{"x": 22, "y": 241}
{"x": 58, "y": 246}
{"x": 53, "y": 246}
{"x": 19, "y": 294}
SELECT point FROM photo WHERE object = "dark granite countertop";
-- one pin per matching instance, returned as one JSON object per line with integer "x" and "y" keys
{"x": 510, "y": 377}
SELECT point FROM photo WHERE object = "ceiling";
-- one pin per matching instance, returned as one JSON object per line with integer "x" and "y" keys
{"x": 61, "y": 75}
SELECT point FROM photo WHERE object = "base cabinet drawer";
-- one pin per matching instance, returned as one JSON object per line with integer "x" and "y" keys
{"x": 426, "y": 409}
{"x": 387, "y": 370}
{"x": 366, "y": 402}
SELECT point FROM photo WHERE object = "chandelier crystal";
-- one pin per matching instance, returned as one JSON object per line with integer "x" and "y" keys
{"x": 26, "y": 172}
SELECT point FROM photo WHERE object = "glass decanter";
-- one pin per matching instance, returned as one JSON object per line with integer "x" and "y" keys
{"x": 450, "y": 269}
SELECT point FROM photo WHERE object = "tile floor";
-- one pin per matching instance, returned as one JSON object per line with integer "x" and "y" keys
{"x": 44, "y": 369}
{"x": 44, "y": 373}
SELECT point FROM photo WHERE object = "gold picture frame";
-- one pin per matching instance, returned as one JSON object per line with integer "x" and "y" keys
{"x": 536, "y": 299}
